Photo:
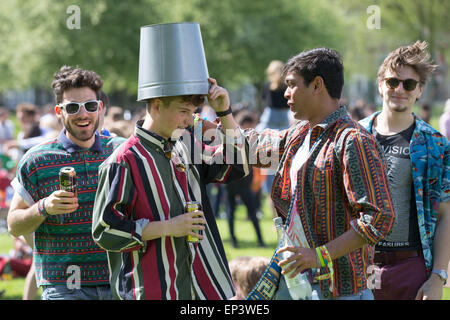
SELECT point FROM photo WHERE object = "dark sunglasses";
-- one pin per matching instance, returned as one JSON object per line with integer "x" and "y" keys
{"x": 408, "y": 84}
{"x": 90, "y": 106}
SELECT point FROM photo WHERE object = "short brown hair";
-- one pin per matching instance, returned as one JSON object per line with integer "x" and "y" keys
{"x": 253, "y": 271}
{"x": 415, "y": 56}
{"x": 68, "y": 78}
{"x": 197, "y": 100}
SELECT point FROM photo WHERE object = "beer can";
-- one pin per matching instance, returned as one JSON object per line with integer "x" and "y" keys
{"x": 68, "y": 180}
{"x": 192, "y": 206}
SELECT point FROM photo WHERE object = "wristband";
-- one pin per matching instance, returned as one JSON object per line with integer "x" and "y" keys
{"x": 320, "y": 257}
{"x": 224, "y": 113}
{"x": 41, "y": 208}
{"x": 328, "y": 262}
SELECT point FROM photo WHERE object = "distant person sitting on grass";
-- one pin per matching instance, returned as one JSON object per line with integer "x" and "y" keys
{"x": 18, "y": 262}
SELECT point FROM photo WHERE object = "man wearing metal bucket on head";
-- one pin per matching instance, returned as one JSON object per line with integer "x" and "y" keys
{"x": 55, "y": 190}
{"x": 151, "y": 212}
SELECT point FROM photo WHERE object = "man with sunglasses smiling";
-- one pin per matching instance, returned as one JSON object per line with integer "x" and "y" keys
{"x": 412, "y": 261}
{"x": 69, "y": 264}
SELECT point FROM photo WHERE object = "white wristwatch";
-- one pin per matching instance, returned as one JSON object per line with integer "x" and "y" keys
{"x": 441, "y": 273}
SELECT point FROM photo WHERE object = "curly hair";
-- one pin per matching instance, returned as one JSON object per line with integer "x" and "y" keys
{"x": 415, "y": 56}
{"x": 68, "y": 77}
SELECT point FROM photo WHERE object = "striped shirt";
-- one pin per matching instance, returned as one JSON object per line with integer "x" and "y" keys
{"x": 140, "y": 184}
{"x": 342, "y": 185}
{"x": 63, "y": 243}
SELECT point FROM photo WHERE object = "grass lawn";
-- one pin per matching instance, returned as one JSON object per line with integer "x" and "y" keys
{"x": 244, "y": 232}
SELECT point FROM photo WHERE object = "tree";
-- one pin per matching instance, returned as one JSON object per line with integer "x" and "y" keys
{"x": 240, "y": 37}
{"x": 402, "y": 23}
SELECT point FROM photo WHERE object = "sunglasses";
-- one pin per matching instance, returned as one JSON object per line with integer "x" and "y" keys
{"x": 90, "y": 106}
{"x": 408, "y": 84}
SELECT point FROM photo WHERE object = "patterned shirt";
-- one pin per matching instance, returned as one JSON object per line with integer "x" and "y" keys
{"x": 430, "y": 161}
{"x": 63, "y": 243}
{"x": 140, "y": 184}
{"x": 341, "y": 185}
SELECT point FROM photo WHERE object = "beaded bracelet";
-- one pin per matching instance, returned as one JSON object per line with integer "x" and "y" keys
{"x": 320, "y": 257}
{"x": 322, "y": 252}
{"x": 41, "y": 208}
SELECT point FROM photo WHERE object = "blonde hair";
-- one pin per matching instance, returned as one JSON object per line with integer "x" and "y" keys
{"x": 274, "y": 76}
{"x": 415, "y": 56}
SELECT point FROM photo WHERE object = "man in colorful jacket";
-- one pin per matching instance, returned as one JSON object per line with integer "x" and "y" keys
{"x": 330, "y": 181}
{"x": 412, "y": 261}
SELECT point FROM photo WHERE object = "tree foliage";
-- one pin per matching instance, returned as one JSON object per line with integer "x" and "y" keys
{"x": 402, "y": 22}
{"x": 240, "y": 37}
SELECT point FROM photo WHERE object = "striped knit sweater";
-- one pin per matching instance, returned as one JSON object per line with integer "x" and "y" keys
{"x": 63, "y": 244}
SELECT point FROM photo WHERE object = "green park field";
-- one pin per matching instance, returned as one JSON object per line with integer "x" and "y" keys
{"x": 244, "y": 231}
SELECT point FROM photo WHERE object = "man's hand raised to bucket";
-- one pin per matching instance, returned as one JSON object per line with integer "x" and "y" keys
{"x": 218, "y": 97}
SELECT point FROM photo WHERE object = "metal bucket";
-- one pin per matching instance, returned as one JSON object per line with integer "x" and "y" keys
{"x": 171, "y": 61}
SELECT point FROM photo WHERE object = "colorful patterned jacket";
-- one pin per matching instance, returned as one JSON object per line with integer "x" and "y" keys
{"x": 342, "y": 185}
{"x": 430, "y": 160}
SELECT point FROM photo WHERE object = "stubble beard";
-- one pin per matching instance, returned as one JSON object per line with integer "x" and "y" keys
{"x": 82, "y": 136}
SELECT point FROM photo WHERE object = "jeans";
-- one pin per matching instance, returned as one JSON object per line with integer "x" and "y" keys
{"x": 366, "y": 294}
{"x": 84, "y": 293}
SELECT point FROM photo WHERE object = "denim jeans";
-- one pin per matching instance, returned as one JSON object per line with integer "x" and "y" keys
{"x": 62, "y": 292}
{"x": 362, "y": 295}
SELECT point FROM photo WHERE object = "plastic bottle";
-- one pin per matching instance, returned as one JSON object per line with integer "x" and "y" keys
{"x": 299, "y": 286}
{"x": 315, "y": 295}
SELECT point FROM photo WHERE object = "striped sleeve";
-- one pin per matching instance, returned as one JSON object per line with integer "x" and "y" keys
{"x": 112, "y": 226}
{"x": 226, "y": 159}
{"x": 267, "y": 147}
{"x": 367, "y": 188}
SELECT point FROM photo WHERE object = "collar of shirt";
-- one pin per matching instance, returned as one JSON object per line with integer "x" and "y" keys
{"x": 319, "y": 128}
{"x": 333, "y": 117}
{"x": 297, "y": 141}
{"x": 420, "y": 125}
{"x": 166, "y": 146}
{"x": 72, "y": 147}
